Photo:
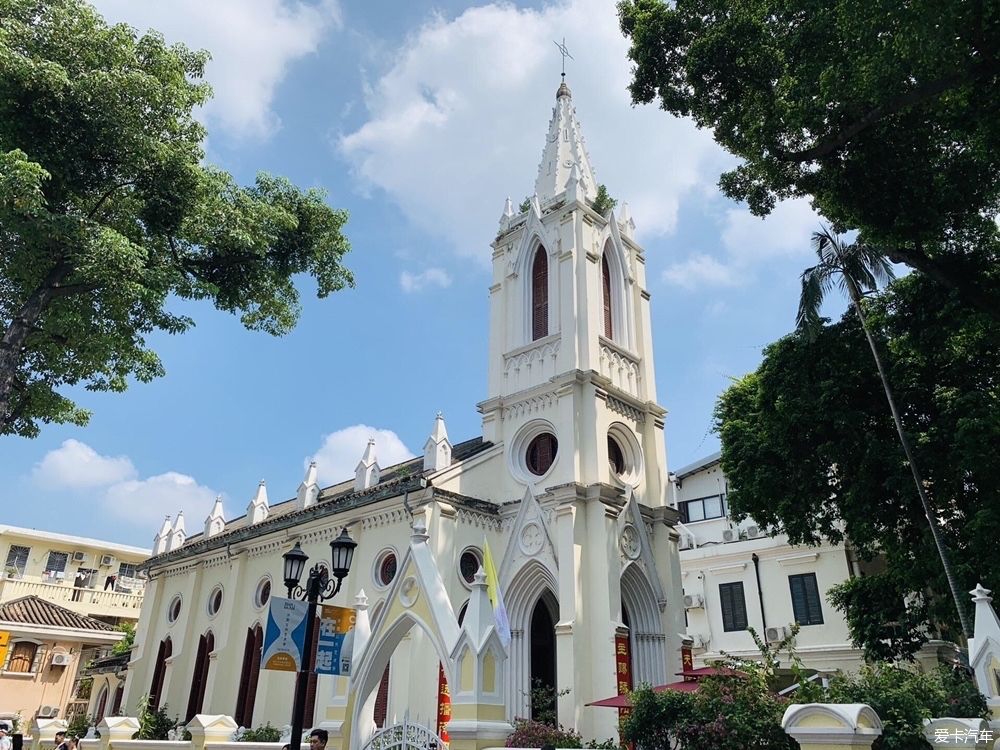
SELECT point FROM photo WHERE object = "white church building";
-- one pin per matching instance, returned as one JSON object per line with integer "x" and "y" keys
{"x": 568, "y": 483}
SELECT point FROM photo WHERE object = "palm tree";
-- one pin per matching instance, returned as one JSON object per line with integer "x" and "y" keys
{"x": 856, "y": 269}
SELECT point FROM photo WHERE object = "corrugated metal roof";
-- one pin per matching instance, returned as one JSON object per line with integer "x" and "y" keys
{"x": 698, "y": 465}
{"x": 33, "y": 610}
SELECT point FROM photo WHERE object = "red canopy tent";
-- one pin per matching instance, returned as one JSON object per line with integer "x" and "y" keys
{"x": 690, "y": 683}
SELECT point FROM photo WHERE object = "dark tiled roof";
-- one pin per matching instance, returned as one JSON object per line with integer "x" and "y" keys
{"x": 393, "y": 481}
{"x": 113, "y": 663}
{"x": 32, "y": 610}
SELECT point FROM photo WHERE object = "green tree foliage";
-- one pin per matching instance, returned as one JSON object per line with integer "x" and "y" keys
{"x": 266, "y": 733}
{"x": 603, "y": 202}
{"x": 125, "y": 644}
{"x": 107, "y": 211}
{"x": 903, "y": 698}
{"x": 884, "y": 113}
{"x": 524, "y": 205}
{"x": 809, "y": 448}
{"x": 154, "y": 722}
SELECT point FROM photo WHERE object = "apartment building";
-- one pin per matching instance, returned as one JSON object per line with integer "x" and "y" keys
{"x": 734, "y": 575}
{"x": 90, "y": 577}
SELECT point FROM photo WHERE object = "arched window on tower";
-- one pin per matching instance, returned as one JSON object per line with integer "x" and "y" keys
{"x": 606, "y": 294}
{"x": 540, "y": 295}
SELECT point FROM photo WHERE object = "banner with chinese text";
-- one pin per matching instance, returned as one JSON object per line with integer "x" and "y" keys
{"x": 444, "y": 705}
{"x": 335, "y": 645}
{"x": 623, "y": 669}
{"x": 285, "y": 635}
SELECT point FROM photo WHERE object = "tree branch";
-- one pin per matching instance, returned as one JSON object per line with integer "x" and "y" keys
{"x": 107, "y": 195}
{"x": 954, "y": 278}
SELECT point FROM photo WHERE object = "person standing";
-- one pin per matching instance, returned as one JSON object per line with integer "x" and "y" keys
{"x": 5, "y": 741}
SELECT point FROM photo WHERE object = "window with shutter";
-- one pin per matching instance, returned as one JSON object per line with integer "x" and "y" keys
{"x": 249, "y": 676}
{"x": 382, "y": 700}
{"x": 734, "y": 606}
{"x": 159, "y": 671}
{"x": 806, "y": 604}
{"x": 23, "y": 657}
{"x": 540, "y": 295}
{"x": 116, "y": 704}
{"x": 206, "y": 644}
{"x": 606, "y": 289}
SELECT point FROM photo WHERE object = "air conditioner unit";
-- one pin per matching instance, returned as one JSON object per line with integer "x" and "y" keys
{"x": 61, "y": 660}
{"x": 693, "y": 601}
{"x": 730, "y": 535}
{"x": 685, "y": 542}
{"x": 773, "y": 635}
{"x": 79, "y": 557}
{"x": 47, "y": 712}
{"x": 753, "y": 532}
{"x": 107, "y": 561}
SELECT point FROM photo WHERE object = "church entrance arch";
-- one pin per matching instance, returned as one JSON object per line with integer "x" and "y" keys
{"x": 533, "y": 610}
{"x": 542, "y": 645}
{"x": 647, "y": 644}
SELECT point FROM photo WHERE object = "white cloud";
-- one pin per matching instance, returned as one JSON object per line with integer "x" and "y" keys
{"x": 415, "y": 282}
{"x": 748, "y": 241}
{"x": 340, "y": 452}
{"x": 785, "y": 232}
{"x": 458, "y": 121}
{"x": 253, "y": 43}
{"x": 75, "y": 465}
{"x": 700, "y": 270}
{"x": 146, "y": 501}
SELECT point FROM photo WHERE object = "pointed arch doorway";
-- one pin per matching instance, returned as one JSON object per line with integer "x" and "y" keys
{"x": 542, "y": 659}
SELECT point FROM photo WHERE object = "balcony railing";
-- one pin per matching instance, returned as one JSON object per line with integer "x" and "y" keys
{"x": 84, "y": 600}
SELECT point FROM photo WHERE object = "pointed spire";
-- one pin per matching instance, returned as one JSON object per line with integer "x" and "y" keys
{"x": 437, "y": 449}
{"x": 564, "y": 149}
{"x": 362, "y": 623}
{"x": 162, "y": 540}
{"x": 625, "y": 222}
{"x": 178, "y": 534}
{"x": 216, "y": 521}
{"x": 367, "y": 472}
{"x": 258, "y": 509}
{"x": 308, "y": 492}
{"x": 507, "y": 215}
{"x": 984, "y": 646}
{"x": 479, "y": 617}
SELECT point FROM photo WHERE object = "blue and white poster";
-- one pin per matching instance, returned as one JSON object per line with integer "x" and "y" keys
{"x": 285, "y": 635}
{"x": 336, "y": 640}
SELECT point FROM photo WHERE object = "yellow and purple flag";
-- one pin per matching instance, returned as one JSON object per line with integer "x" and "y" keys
{"x": 496, "y": 596}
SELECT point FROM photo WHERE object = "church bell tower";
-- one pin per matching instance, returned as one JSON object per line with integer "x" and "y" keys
{"x": 572, "y": 393}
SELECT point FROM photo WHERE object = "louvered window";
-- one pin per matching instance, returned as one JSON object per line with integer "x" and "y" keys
{"x": 541, "y": 453}
{"x": 24, "y": 657}
{"x": 382, "y": 699}
{"x": 806, "y": 604}
{"x": 540, "y": 295}
{"x": 159, "y": 672}
{"x": 206, "y": 644}
{"x": 734, "y": 606}
{"x": 606, "y": 294}
{"x": 249, "y": 676}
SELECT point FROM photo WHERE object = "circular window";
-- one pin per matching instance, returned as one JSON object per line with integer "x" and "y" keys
{"x": 541, "y": 453}
{"x": 385, "y": 567}
{"x": 215, "y": 601}
{"x": 469, "y": 563}
{"x": 263, "y": 593}
{"x": 174, "y": 610}
{"x": 624, "y": 455}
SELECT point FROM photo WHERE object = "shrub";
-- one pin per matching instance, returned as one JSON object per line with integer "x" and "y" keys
{"x": 266, "y": 733}
{"x": 78, "y": 725}
{"x": 528, "y": 733}
{"x": 903, "y": 699}
{"x": 154, "y": 723}
{"x": 602, "y": 201}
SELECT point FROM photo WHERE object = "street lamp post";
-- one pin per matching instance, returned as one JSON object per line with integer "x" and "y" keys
{"x": 319, "y": 586}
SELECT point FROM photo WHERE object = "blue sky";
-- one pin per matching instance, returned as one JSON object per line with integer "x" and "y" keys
{"x": 420, "y": 119}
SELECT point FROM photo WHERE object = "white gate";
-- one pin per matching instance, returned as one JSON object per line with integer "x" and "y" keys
{"x": 405, "y": 736}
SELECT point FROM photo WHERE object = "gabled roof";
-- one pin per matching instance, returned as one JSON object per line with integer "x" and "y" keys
{"x": 33, "y": 610}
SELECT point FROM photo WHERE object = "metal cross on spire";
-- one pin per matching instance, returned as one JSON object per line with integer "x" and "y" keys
{"x": 565, "y": 53}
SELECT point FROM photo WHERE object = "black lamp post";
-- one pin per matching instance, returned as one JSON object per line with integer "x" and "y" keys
{"x": 319, "y": 587}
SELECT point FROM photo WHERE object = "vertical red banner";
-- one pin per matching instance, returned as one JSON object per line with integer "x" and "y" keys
{"x": 687, "y": 658}
{"x": 444, "y": 705}
{"x": 623, "y": 668}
